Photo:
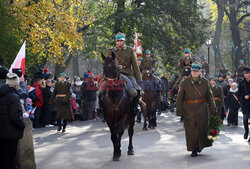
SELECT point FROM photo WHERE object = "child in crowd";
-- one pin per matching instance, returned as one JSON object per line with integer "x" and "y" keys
{"x": 29, "y": 108}
{"x": 233, "y": 105}
{"x": 74, "y": 105}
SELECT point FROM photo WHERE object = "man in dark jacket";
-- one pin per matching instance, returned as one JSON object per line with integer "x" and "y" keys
{"x": 244, "y": 93}
{"x": 11, "y": 122}
{"x": 3, "y": 73}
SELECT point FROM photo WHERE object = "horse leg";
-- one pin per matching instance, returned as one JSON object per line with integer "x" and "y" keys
{"x": 145, "y": 120}
{"x": 131, "y": 133}
{"x": 114, "y": 138}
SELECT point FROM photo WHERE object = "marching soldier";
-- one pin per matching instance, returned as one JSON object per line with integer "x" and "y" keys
{"x": 129, "y": 70}
{"x": 240, "y": 75}
{"x": 205, "y": 65}
{"x": 218, "y": 96}
{"x": 223, "y": 70}
{"x": 193, "y": 99}
{"x": 61, "y": 97}
{"x": 228, "y": 76}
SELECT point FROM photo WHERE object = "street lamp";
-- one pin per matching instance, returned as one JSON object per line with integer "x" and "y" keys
{"x": 208, "y": 42}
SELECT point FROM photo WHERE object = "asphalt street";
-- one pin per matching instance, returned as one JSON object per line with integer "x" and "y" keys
{"x": 87, "y": 145}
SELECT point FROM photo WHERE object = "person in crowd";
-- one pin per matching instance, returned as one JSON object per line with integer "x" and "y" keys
{"x": 3, "y": 74}
{"x": 218, "y": 97}
{"x": 166, "y": 87}
{"x": 221, "y": 81}
{"x": 47, "y": 107}
{"x": 29, "y": 108}
{"x": 244, "y": 94}
{"x": 11, "y": 121}
{"x": 234, "y": 104}
{"x": 205, "y": 65}
{"x": 240, "y": 75}
{"x": 223, "y": 70}
{"x": 89, "y": 96}
{"x": 228, "y": 76}
{"x": 23, "y": 90}
{"x": 39, "y": 102}
{"x": 61, "y": 97}
{"x": 53, "y": 110}
{"x": 193, "y": 99}
{"x": 74, "y": 105}
{"x": 226, "y": 90}
{"x": 186, "y": 62}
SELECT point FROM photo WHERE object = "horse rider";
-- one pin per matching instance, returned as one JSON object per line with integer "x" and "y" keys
{"x": 223, "y": 70}
{"x": 148, "y": 63}
{"x": 205, "y": 65}
{"x": 186, "y": 62}
{"x": 240, "y": 74}
{"x": 129, "y": 70}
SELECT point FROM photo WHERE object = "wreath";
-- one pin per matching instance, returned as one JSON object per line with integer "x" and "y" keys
{"x": 214, "y": 125}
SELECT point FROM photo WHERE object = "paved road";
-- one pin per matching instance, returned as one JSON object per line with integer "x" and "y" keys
{"x": 87, "y": 145}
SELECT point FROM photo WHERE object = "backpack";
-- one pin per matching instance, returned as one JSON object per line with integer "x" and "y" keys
{"x": 32, "y": 95}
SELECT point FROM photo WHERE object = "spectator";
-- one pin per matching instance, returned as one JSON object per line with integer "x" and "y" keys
{"x": 3, "y": 74}
{"x": 38, "y": 85}
{"x": 23, "y": 90}
{"x": 73, "y": 105}
{"x": 47, "y": 107}
{"x": 11, "y": 121}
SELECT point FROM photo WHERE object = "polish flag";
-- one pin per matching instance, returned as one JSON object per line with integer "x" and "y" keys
{"x": 137, "y": 46}
{"x": 19, "y": 62}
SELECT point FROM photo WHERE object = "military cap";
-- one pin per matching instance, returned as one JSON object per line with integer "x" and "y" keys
{"x": 120, "y": 36}
{"x": 223, "y": 64}
{"x": 196, "y": 67}
{"x": 216, "y": 74}
{"x": 187, "y": 51}
{"x": 147, "y": 51}
{"x": 246, "y": 70}
{"x": 3, "y": 72}
{"x": 63, "y": 74}
{"x": 242, "y": 61}
{"x": 86, "y": 75}
{"x": 212, "y": 77}
{"x": 203, "y": 57}
{"x": 220, "y": 75}
{"x": 229, "y": 74}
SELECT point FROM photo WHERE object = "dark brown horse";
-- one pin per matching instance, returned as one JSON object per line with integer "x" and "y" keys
{"x": 150, "y": 98}
{"x": 116, "y": 106}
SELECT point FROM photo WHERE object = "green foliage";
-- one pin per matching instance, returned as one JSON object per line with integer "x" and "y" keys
{"x": 214, "y": 123}
{"x": 10, "y": 39}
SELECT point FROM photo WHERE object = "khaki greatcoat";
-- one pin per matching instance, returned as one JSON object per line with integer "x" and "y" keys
{"x": 217, "y": 92}
{"x": 62, "y": 104}
{"x": 195, "y": 114}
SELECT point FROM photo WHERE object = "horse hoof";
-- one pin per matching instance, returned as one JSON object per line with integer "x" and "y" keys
{"x": 131, "y": 152}
{"x": 144, "y": 129}
{"x": 116, "y": 158}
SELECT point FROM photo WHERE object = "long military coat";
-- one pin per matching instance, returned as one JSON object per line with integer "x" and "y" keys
{"x": 218, "y": 93}
{"x": 205, "y": 66}
{"x": 195, "y": 114}
{"x": 62, "y": 104}
{"x": 147, "y": 64}
{"x": 127, "y": 60}
{"x": 223, "y": 72}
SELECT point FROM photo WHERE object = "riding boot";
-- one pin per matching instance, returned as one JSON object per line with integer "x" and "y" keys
{"x": 136, "y": 101}
{"x": 59, "y": 125}
{"x": 64, "y": 125}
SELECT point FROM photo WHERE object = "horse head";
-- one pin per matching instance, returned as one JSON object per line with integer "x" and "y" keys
{"x": 110, "y": 67}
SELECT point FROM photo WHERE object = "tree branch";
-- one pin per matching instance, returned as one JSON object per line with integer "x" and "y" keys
{"x": 242, "y": 18}
{"x": 242, "y": 4}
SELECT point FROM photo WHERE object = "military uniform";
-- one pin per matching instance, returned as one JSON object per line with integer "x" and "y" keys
{"x": 223, "y": 71}
{"x": 240, "y": 71}
{"x": 147, "y": 64}
{"x": 186, "y": 63}
{"x": 193, "y": 99}
{"x": 219, "y": 99}
{"x": 61, "y": 97}
{"x": 205, "y": 66}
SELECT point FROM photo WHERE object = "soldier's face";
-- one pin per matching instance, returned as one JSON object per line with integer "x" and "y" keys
{"x": 196, "y": 74}
{"x": 186, "y": 54}
{"x": 212, "y": 82}
{"x": 148, "y": 55}
{"x": 228, "y": 76}
{"x": 120, "y": 43}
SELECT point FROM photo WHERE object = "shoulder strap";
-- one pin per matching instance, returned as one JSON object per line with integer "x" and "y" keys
{"x": 198, "y": 91}
{"x": 236, "y": 98}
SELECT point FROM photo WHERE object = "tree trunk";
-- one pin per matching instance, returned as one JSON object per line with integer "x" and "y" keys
{"x": 76, "y": 66}
{"x": 60, "y": 69}
{"x": 217, "y": 37}
{"x": 119, "y": 15}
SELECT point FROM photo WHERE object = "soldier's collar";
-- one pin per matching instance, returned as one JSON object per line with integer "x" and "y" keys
{"x": 124, "y": 47}
{"x": 193, "y": 81}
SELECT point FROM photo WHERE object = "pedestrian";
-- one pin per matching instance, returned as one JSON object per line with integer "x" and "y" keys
{"x": 218, "y": 97}
{"x": 61, "y": 97}
{"x": 47, "y": 109}
{"x": 11, "y": 122}
{"x": 3, "y": 74}
{"x": 74, "y": 105}
{"x": 223, "y": 70}
{"x": 220, "y": 81}
{"x": 234, "y": 104}
{"x": 244, "y": 93}
{"x": 193, "y": 99}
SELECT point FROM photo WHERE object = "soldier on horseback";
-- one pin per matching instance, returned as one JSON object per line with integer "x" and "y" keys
{"x": 129, "y": 70}
{"x": 148, "y": 63}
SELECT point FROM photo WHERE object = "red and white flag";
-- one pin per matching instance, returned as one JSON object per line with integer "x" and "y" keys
{"x": 19, "y": 62}
{"x": 137, "y": 46}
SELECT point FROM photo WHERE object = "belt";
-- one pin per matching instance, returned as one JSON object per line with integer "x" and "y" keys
{"x": 195, "y": 101}
{"x": 216, "y": 99}
{"x": 61, "y": 95}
